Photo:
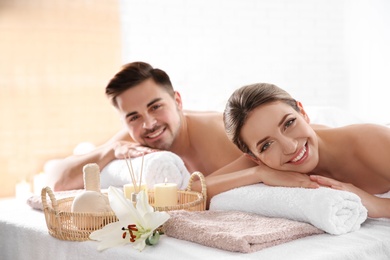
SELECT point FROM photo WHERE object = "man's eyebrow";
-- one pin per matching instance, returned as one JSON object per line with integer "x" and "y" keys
{"x": 147, "y": 105}
{"x": 265, "y": 138}
{"x": 153, "y": 101}
{"x": 130, "y": 114}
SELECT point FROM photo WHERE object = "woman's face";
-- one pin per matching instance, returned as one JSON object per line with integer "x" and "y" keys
{"x": 281, "y": 138}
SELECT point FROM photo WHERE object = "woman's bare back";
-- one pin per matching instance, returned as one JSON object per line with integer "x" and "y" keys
{"x": 356, "y": 154}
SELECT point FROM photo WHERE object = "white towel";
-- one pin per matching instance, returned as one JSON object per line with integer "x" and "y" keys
{"x": 158, "y": 167}
{"x": 333, "y": 211}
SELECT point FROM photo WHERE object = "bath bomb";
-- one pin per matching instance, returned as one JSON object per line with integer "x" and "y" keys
{"x": 91, "y": 202}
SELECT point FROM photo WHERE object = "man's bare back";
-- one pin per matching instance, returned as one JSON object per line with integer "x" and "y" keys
{"x": 210, "y": 149}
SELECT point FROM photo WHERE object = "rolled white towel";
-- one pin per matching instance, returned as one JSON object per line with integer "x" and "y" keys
{"x": 335, "y": 212}
{"x": 158, "y": 167}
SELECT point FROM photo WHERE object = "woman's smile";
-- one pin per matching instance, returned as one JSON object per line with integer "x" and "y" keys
{"x": 302, "y": 155}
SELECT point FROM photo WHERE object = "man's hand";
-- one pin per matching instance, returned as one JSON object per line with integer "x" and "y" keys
{"x": 124, "y": 150}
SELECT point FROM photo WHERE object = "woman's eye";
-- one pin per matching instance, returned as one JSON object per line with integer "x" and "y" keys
{"x": 289, "y": 123}
{"x": 265, "y": 147}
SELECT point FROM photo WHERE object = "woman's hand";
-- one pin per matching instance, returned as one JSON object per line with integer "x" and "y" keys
{"x": 376, "y": 207}
{"x": 287, "y": 179}
{"x": 123, "y": 149}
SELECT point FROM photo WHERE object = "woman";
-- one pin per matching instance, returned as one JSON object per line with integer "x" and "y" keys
{"x": 273, "y": 129}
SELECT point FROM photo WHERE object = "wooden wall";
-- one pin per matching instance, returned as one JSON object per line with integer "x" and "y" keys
{"x": 56, "y": 57}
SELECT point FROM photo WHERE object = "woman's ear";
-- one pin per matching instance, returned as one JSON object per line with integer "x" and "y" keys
{"x": 253, "y": 158}
{"x": 303, "y": 112}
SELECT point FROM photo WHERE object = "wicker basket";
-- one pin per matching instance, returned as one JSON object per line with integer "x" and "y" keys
{"x": 77, "y": 226}
{"x": 188, "y": 199}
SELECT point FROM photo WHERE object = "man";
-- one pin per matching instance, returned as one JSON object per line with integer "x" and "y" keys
{"x": 153, "y": 114}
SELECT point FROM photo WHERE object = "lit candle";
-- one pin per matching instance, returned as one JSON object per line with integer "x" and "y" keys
{"x": 165, "y": 194}
{"x": 128, "y": 189}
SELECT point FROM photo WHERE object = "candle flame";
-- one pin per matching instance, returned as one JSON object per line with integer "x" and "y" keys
{"x": 166, "y": 180}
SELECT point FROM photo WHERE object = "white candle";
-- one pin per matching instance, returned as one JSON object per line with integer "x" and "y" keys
{"x": 39, "y": 183}
{"x": 22, "y": 190}
{"x": 165, "y": 194}
{"x": 128, "y": 189}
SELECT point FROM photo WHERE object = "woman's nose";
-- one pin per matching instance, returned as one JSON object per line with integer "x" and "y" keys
{"x": 289, "y": 145}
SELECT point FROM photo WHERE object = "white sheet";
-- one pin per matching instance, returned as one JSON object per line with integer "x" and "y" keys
{"x": 24, "y": 236}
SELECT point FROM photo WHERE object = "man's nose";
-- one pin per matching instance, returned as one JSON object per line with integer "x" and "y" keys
{"x": 149, "y": 122}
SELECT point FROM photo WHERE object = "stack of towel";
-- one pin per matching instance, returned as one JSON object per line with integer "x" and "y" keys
{"x": 234, "y": 230}
{"x": 334, "y": 211}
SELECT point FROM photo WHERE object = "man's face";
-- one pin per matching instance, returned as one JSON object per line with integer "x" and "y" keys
{"x": 152, "y": 116}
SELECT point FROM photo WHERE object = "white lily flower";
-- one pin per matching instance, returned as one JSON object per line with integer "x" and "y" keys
{"x": 135, "y": 225}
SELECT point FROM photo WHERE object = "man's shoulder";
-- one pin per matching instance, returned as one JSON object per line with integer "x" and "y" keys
{"x": 202, "y": 115}
{"x": 203, "y": 120}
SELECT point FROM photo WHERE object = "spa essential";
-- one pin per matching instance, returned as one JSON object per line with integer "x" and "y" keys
{"x": 333, "y": 211}
{"x": 157, "y": 167}
{"x": 91, "y": 200}
{"x": 165, "y": 194}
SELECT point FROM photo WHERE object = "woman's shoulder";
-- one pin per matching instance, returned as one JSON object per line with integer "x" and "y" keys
{"x": 355, "y": 131}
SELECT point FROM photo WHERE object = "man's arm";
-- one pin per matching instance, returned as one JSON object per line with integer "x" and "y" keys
{"x": 67, "y": 174}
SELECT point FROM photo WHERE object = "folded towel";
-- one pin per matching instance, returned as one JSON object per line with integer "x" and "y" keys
{"x": 158, "y": 167}
{"x": 234, "y": 230}
{"x": 35, "y": 201}
{"x": 334, "y": 211}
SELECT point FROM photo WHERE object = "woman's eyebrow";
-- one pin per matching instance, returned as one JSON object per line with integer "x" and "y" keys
{"x": 283, "y": 119}
{"x": 261, "y": 141}
{"x": 280, "y": 123}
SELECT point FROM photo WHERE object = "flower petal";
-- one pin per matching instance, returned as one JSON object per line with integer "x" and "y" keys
{"x": 143, "y": 205}
{"x": 123, "y": 208}
{"x": 139, "y": 244}
{"x": 108, "y": 243}
{"x": 109, "y": 236}
{"x": 155, "y": 219}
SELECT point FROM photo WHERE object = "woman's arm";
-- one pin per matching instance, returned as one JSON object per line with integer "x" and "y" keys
{"x": 376, "y": 207}
{"x": 244, "y": 172}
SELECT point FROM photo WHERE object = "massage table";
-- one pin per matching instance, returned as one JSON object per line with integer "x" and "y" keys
{"x": 24, "y": 235}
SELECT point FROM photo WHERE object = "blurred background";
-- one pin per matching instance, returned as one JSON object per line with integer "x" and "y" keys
{"x": 56, "y": 56}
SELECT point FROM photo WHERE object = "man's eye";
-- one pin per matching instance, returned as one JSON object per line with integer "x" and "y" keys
{"x": 155, "y": 107}
{"x": 133, "y": 118}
